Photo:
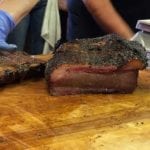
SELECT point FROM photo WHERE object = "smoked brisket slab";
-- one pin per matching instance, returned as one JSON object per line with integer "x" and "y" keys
{"x": 17, "y": 65}
{"x": 107, "y": 64}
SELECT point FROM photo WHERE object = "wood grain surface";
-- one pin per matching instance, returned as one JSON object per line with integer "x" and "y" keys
{"x": 31, "y": 119}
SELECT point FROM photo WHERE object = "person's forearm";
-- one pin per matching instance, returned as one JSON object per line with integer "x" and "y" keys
{"x": 17, "y": 8}
{"x": 107, "y": 17}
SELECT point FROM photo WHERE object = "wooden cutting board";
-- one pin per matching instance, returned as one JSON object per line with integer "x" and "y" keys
{"x": 31, "y": 119}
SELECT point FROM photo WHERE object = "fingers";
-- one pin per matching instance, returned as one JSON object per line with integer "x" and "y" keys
{"x": 6, "y": 46}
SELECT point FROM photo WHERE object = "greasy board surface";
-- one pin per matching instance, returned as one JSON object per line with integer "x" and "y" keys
{"x": 31, "y": 119}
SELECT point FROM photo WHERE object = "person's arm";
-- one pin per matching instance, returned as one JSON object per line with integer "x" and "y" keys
{"x": 11, "y": 12}
{"x": 108, "y": 18}
{"x": 17, "y": 8}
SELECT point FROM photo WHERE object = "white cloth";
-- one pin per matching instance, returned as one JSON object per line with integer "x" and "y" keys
{"x": 143, "y": 25}
{"x": 51, "y": 29}
{"x": 143, "y": 36}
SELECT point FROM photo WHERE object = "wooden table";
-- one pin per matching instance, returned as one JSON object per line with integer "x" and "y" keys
{"x": 31, "y": 119}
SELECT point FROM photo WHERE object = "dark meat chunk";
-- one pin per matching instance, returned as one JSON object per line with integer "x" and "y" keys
{"x": 101, "y": 65}
{"x": 17, "y": 65}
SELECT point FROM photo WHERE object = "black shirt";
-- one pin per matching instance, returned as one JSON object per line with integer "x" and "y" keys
{"x": 82, "y": 25}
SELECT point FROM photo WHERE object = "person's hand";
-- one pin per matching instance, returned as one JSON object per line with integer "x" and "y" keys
{"x": 6, "y": 25}
{"x": 6, "y": 46}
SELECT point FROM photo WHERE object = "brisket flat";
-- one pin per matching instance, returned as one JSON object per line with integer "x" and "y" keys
{"x": 17, "y": 65}
{"x": 107, "y": 64}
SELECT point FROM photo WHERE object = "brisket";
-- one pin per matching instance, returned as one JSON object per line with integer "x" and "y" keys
{"x": 18, "y": 65}
{"x": 106, "y": 64}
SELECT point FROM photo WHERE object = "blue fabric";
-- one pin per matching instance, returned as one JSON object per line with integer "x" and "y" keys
{"x": 27, "y": 34}
{"x": 6, "y": 25}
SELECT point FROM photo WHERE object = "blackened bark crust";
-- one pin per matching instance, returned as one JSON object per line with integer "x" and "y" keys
{"x": 109, "y": 50}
